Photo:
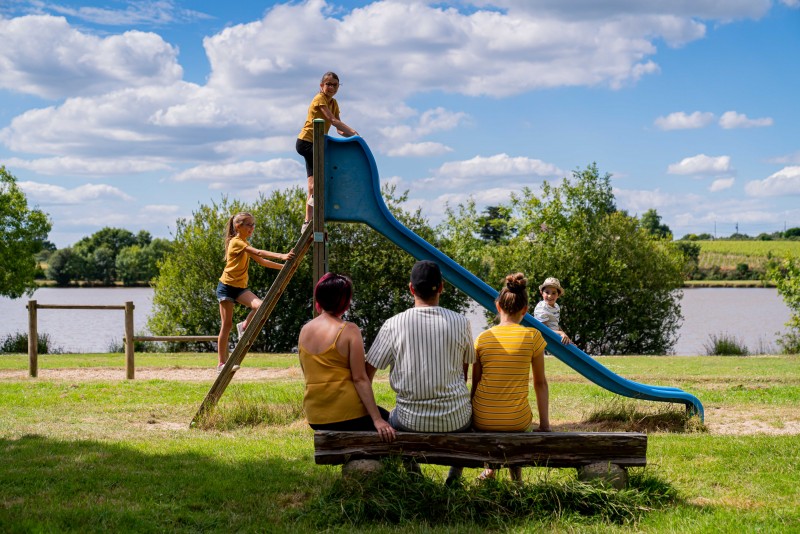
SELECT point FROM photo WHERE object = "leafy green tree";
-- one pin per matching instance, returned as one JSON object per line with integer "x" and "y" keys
{"x": 99, "y": 252}
{"x": 792, "y": 233}
{"x": 23, "y": 232}
{"x": 64, "y": 266}
{"x": 495, "y": 224}
{"x": 621, "y": 282}
{"x": 691, "y": 257}
{"x": 785, "y": 273}
{"x": 139, "y": 263}
{"x": 651, "y": 222}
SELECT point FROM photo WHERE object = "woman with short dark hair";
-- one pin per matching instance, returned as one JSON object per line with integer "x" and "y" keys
{"x": 338, "y": 394}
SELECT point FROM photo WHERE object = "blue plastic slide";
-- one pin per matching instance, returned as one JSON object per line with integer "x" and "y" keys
{"x": 352, "y": 194}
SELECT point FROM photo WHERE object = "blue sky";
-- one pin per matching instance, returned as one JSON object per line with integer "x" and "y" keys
{"x": 133, "y": 113}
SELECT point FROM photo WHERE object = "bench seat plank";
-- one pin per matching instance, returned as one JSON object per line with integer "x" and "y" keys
{"x": 473, "y": 449}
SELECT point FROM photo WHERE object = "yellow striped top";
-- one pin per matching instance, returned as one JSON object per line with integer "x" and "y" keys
{"x": 505, "y": 353}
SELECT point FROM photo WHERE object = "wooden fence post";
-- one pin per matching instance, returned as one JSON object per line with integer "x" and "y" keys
{"x": 129, "y": 367}
{"x": 33, "y": 341}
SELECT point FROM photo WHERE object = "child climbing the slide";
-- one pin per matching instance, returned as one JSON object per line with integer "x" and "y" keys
{"x": 504, "y": 353}
{"x": 323, "y": 106}
{"x": 232, "y": 285}
{"x": 548, "y": 311}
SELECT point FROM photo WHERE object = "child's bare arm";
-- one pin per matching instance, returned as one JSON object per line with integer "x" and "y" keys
{"x": 267, "y": 263}
{"x": 258, "y": 253}
{"x": 341, "y": 127}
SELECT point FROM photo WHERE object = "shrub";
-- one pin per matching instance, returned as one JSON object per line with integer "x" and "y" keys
{"x": 724, "y": 344}
{"x": 17, "y": 343}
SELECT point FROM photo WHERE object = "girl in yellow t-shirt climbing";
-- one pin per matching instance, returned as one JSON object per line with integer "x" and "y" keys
{"x": 232, "y": 285}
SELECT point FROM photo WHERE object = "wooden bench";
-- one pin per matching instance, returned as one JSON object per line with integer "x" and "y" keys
{"x": 605, "y": 455}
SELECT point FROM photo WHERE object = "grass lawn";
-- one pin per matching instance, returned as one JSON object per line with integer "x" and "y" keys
{"x": 85, "y": 450}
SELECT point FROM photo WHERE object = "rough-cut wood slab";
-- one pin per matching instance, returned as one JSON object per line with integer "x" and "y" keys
{"x": 473, "y": 449}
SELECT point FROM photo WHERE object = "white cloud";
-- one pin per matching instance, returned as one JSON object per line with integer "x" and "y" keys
{"x": 721, "y": 184}
{"x": 784, "y": 182}
{"x": 701, "y": 165}
{"x": 681, "y": 121}
{"x": 419, "y": 149}
{"x": 404, "y": 48}
{"x": 73, "y": 166}
{"x": 641, "y": 200}
{"x": 788, "y": 159}
{"x": 45, "y": 56}
{"x": 160, "y": 209}
{"x": 499, "y": 165}
{"x": 255, "y": 145}
{"x": 731, "y": 119}
{"x": 248, "y": 171}
{"x": 54, "y": 194}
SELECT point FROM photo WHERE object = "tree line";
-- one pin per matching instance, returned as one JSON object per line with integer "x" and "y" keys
{"x": 107, "y": 257}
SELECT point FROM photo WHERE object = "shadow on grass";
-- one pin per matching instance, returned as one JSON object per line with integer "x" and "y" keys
{"x": 396, "y": 497}
{"x": 89, "y": 486}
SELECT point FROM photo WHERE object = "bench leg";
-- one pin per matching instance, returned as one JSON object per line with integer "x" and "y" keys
{"x": 360, "y": 468}
{"x": 611, "y": 474}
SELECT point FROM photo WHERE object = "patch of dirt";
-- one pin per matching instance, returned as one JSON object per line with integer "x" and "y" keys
{"x": 183, "y": 374}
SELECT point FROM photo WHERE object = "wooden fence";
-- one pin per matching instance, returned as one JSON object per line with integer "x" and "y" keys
{"x": 33, "y": 333}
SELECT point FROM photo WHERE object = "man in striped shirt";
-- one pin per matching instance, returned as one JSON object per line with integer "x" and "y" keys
{"x": 428, "y": 350}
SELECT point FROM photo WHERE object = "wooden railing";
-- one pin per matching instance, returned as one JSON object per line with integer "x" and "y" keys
{"x": 33, "y": 333}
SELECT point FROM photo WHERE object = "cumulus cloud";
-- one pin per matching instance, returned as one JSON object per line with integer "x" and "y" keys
{"x": 701, "y": 165}
{"x": 419, "y": 149}
{"x": 731, "y": 119}
{"x": 788, "y": 159}
{"x": 74, "y": 166}
{"x": 641, "y": 200}
{"x": 46, "y": 57}
{"x": 274, "y": 170}
{"x": 721, "y": 184}
{"x": 405, "y": 48}
{"x": 784, "y": 182}
{"x": 54, "y": 194}
{"x": 499, "y": 165}
{"x": 681, "y": 121}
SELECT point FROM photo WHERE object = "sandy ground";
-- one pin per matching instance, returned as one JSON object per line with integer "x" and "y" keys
{"x": 759, "y": 420}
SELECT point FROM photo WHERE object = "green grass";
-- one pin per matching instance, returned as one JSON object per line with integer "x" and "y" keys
{"x": 101, "y": 455}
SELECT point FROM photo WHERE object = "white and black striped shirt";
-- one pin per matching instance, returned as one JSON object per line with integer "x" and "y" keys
{"x": 426, "y": 349}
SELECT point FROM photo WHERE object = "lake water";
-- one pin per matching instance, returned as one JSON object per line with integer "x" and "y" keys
{"x": 754, "y": 316}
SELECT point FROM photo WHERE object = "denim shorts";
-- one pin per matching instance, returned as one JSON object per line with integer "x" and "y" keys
{"x": 226, "y": 292}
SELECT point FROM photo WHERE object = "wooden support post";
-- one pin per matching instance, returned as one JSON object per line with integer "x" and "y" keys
{"x": 320, "y": 253}
{"x": 33, "y": 341}
{"x": 129, "y": 366}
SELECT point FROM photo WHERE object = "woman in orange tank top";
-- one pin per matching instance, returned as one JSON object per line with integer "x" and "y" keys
{"x": 338, "y": 394}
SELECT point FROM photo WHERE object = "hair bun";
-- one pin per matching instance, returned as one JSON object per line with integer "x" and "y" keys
{"x": 516, "y": 282}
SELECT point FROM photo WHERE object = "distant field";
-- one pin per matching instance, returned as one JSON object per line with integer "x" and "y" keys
{"x": 728, "y": 254}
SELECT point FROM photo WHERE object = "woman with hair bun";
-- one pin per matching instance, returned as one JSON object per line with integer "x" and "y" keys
{"x": 338, "y": 393}
{"x": 504, "y": 355}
